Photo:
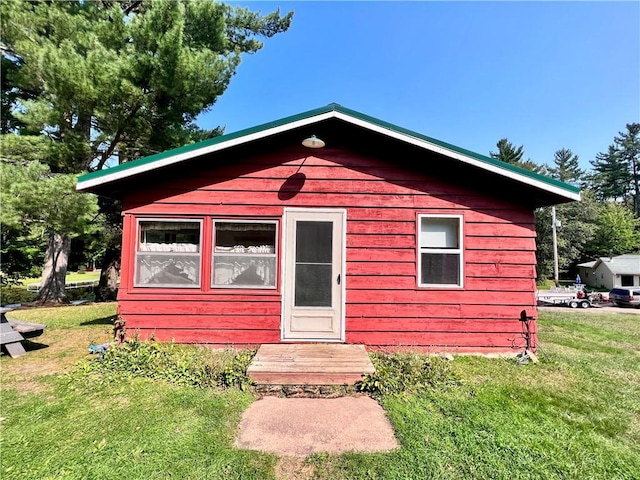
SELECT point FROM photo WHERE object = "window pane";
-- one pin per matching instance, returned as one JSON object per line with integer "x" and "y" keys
{"x": 167, "y": 270}
{"x": 437, "y": 232}
{"x": 244, "y": 270}
{"x": 245, "y": 237}
{"x": 244, "y": 254}
{"x": 313, "y": 285}
{"x": 440, "y": 268}
{"x": 626, "y": 281}
{"x": 169, "y": 236}
{"x": 314, "y": 242}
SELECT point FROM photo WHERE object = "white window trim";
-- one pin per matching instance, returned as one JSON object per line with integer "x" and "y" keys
{"x": 199, "y": 221}
{"x": 459, "y": 251}
{"x": 261, "y": 255}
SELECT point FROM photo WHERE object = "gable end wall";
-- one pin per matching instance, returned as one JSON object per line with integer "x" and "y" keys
{"x": 384, "y": 307}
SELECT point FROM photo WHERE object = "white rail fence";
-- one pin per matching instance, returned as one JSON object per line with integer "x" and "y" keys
{"x": 35, "y": 287}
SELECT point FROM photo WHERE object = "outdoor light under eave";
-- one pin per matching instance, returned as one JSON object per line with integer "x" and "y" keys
{"x": 313, "y": 142}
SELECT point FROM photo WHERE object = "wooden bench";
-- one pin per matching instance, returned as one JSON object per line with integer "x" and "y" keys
{"x": 13, "y": 332}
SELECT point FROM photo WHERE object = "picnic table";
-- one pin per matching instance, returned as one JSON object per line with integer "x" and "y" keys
{"x": 13, "y": 332}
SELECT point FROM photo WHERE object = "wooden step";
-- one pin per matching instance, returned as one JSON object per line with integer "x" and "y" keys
{"x": 310, "y": 364}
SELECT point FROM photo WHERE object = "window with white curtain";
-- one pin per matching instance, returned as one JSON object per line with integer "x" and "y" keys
{"x": 168, "y": 253}
{"x": 440, "y": 262}
{"x": 244, "y": 254}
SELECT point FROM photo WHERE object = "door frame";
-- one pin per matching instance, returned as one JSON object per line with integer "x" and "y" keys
{"x": 283, "y": 271}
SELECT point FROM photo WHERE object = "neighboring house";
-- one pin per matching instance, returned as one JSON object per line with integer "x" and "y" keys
{"x": 612, "y": 272}
{"x": 383, "y": 237}
{"x": 587, "y": 274}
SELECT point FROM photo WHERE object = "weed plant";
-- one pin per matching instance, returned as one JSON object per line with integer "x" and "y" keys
{"x": 406, "y": 372}
{"x": 183, "y": 365}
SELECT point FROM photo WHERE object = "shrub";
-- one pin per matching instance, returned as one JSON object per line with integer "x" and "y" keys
{"x": 10, "y": 295}
{"x": 83, "y": 293}
{"x": 177, "y": 364}
{"x": 406, "y": 372}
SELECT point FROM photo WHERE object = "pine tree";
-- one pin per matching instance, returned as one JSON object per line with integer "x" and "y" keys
{"x": 616, "y": 172}
{"x": 628, "y": 146}
{"x": 509, "y": 153}
{"x": 110, "y": 81}
{"x": 567, "y": 167}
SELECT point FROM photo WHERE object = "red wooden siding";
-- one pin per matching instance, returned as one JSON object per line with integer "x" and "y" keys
{"x": 384, "y": 307}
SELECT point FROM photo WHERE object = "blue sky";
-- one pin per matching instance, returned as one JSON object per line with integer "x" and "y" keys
{"x": 546, "y": 75}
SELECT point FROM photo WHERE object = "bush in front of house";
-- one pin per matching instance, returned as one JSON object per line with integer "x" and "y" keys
{"x": 185, "y": 365}
{"x": 406, "y": 372}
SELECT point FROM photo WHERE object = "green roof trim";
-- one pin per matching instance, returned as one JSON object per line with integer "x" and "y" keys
{"x": 316, "y": 112}
{"x": 463, "y": 151}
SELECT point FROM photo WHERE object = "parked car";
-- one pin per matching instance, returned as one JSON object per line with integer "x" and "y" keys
{"x": 625, "y": 297}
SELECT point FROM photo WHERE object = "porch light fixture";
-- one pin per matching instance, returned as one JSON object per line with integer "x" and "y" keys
{"x": 313, "y": 142}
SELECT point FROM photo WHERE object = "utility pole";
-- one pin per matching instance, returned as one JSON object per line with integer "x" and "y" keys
{"x": 554, "y": 225}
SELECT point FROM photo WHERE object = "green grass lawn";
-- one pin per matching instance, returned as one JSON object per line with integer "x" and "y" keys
{"x": 70, "y": 277}
{"x": 574, "y": 415}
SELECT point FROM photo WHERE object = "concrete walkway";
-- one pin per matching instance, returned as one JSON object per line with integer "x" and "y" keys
{"x": 302, "y": 426}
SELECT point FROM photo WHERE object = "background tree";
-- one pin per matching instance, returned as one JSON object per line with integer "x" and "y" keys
{"x": 617, "y": 232}
{"x": 578, "y": 227}
{"x": 616, "y": 172}
{"x": 606, "y": 221}
{"x": 507, "y": 152}
{"x": 566, "y": 167}
{"x": 628, "y": 146}
{"x": 45, "y": 205}
{"x": 512, "y": 155}
{"x": 110, "y": 81}
{"x": 577, "y": 219}
{"x": 610, "y": 177}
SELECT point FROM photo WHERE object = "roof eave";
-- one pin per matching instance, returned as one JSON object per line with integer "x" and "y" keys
{"x": 92, "y": 181}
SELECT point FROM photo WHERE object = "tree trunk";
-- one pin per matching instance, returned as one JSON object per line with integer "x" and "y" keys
{"x": 107, "y": 290}
{"x": 52, "y": 285}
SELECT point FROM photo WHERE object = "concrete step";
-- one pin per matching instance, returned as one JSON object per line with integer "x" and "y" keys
{"x": 310, "y": 364}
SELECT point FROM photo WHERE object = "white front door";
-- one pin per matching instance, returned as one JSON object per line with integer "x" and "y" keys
{"x": 313, "y": 270}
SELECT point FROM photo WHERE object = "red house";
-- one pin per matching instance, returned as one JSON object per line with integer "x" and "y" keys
{"x": 328, "y": 226}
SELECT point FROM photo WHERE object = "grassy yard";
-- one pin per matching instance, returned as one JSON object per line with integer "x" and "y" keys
{"x": 71, "y": 277}
{"x": 574, "y": 415}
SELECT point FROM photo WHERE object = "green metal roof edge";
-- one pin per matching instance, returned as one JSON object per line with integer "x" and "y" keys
{"x": 463, "y": 151}
{"x": 319, "y": 111}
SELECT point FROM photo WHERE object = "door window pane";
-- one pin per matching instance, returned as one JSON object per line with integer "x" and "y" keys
{"x": 314, "y": 241}
{"x": 314, "y": 264}
{"x": 313, "y": 285}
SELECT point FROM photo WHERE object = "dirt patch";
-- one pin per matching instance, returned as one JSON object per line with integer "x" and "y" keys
{"x": 27, "y": 387}
{"x": 294, "y": 468}
{"x": 54, "y": 352}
